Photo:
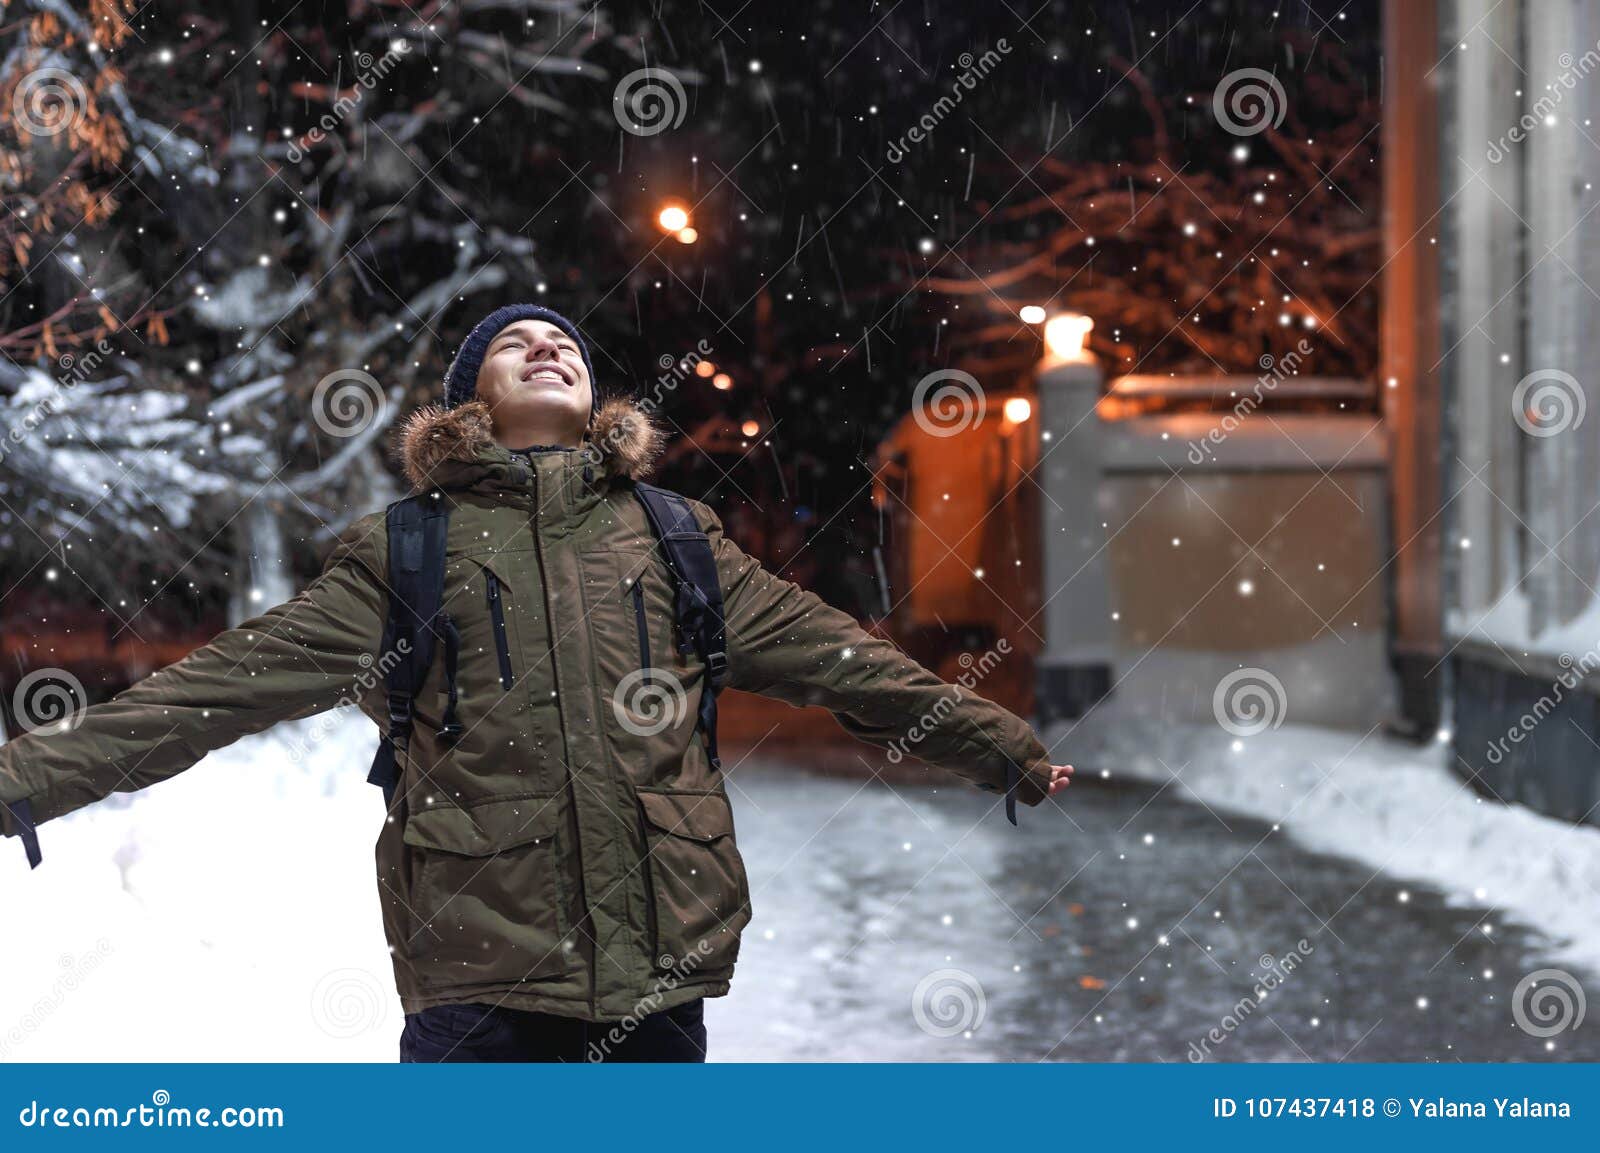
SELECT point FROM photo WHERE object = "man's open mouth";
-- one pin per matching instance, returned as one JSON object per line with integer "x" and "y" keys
{"x": 545, "y": 373}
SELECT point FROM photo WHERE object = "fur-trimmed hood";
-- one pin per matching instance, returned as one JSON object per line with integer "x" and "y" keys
{"x": 623, "y": 438}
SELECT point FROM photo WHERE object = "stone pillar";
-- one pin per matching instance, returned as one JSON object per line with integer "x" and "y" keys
{"x": 1481, "y": 250}
{"x": 1561, "y": 235}
{"x": 1074, "y": 669}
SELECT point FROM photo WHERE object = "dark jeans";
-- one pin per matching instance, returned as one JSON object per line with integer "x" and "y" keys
{"x": 495, "y": 1033}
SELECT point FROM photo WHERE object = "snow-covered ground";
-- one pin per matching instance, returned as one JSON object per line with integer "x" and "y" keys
{"x": 231, "y": 913}
{"x": 1387, "y": 803}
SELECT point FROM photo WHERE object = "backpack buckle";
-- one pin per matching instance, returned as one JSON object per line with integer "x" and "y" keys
{"x": 717, "y": 668}
{"x": 400, "y": 719}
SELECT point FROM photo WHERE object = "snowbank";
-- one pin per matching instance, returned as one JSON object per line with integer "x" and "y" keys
{"x": 144, "y": 928}
{"x": 1374, "y": 799}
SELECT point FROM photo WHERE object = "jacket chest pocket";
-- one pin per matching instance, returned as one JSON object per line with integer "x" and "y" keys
{"x": 494, "y": 683}
{"x": 699, "y": 892}
{"x": 650, "y": 691}
{"x": 490, "y": 899}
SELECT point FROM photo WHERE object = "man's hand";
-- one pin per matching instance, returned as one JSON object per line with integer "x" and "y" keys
{"x": 1060, "y": 778}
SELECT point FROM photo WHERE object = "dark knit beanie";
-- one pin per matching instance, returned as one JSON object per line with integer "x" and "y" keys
{"x": 461, "y": 379}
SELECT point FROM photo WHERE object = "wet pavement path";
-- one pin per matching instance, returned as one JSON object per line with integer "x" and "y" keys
{"x": 888, "y": 917}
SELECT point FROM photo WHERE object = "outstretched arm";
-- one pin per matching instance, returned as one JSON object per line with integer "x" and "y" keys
{"x": 297, "y": 659}
{"x": 788, "y": 643}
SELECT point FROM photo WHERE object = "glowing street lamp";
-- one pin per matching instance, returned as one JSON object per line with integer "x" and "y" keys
{"x": 1017, "y": 410}
{"x": 673, "y": 218}
{"x": 1032, "y": 314}
{"x": 1065, "y": 334}
{"x": 687, "y": 236}
{"x": 722, "y": 381}
{"x": 750, "y": 428}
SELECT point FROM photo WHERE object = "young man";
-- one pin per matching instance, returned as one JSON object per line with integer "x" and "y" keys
{"x": 558, "y": 872}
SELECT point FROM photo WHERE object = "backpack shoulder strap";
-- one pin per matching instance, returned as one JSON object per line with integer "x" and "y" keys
{"x": 418, "y": 528}
{"x": 697, "y": 606}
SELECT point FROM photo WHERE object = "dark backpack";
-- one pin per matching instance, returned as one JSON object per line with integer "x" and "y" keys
{"x": 418, "y": 527}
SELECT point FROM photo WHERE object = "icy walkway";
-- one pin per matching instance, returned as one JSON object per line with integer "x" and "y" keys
{"x": 1389, "y": 804}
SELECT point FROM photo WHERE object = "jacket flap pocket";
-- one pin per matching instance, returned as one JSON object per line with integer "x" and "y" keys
{"x": 505, "y": 563}
{"x": 698, "y": 816}
{"x": 633, "y": 566}
{"x": 485, "y": 828}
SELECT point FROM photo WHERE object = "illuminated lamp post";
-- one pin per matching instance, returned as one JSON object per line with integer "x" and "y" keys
{"x": 1074, "y": 667}
{"x": 674, "y": 218}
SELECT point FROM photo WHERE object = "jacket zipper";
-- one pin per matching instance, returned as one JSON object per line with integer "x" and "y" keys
{"x": 644, "y": 628}
{"x": 497, "y": 615}
{"x": 544, "y": 581}
{"x": 652, "y": 932}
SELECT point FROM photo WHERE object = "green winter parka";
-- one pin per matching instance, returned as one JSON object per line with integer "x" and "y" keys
{"x": 573, "y": 851}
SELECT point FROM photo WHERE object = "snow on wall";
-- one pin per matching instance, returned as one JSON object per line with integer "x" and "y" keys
{"x": 1506, "y": 623}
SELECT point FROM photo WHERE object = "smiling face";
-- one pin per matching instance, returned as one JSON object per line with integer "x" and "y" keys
{"x": 536, "y": 386}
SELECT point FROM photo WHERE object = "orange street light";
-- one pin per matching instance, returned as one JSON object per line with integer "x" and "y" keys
{"x": 1065, "y": 335}
{"x": 673, "y": 218}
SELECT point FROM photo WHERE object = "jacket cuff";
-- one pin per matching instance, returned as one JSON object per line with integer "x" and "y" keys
{"x": 1033, "y": 784}
{"x": 1026, "y": 782}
